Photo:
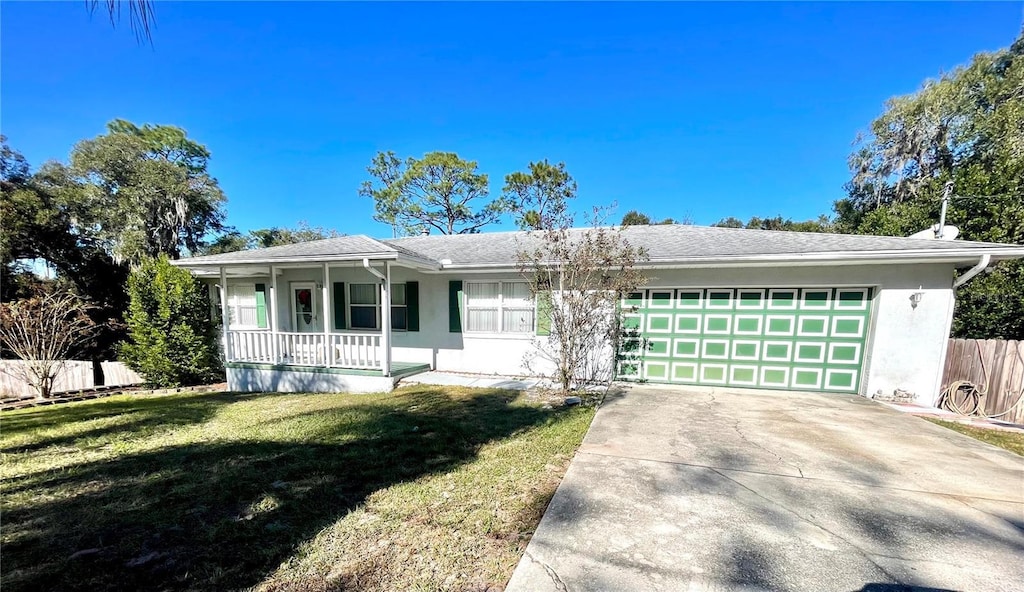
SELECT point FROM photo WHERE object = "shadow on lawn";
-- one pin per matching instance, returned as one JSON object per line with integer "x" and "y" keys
{"x": 221, "y": 515}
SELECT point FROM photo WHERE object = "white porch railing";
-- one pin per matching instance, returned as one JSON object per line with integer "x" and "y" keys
{"x": 344, "y": 350}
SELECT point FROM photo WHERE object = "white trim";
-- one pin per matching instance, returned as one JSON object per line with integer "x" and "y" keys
{"x": 692, "y": 365}
{"x": 762, "y": 302}
{"x": 500, "y": 309}
{"x": 768, "y": 324}
{"x": 651, "y": 300}
{"x": 816, "y": 360}
{"x": 863, "y": 302}
{"x": 678, "y": 317}
{"x": 860, "y": 326}
{"x": 728, "y": 324}
{"x": 824, "y": 325}
{"x": 736, "y": 325}
{"x": 708, "y": 302}
{"x": 795, "y": 302}
{"x": 696, "y": 348}
{"x": 725, "y": 374}
{"x": 698, "y": 291}
{"x": 804, "y": 302}
{"x": 797, "y": 370}
{"x": 668, "y": 347}
{"x": 856, "y": 356}
{"x": 852, "y": 372}
{"x": 785, "y": 376}
{"x": 789, "y": 351}
{"x": 757, "y": 350}
{"x": 732, "y": 374}
{"x": 651, "y": 316}
{"x": 704, "y": 347}
{"x": 647, "y": 369}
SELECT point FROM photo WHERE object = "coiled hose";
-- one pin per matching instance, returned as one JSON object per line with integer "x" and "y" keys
{"x": 966, "y": 398}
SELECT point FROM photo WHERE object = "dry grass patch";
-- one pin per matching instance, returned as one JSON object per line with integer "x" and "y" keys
{"x": 1012, "y": 441}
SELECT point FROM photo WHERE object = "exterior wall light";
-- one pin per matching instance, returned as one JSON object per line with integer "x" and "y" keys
{"x": 915, "y": 299}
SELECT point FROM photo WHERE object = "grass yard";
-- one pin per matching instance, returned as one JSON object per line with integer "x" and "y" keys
{"x": 1012, "y": 441}
{"x": 426, "y": 488}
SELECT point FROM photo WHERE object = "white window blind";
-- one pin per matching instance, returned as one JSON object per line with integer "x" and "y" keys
{"x": 499, "y": 307}
{"x": 242, "y": 306}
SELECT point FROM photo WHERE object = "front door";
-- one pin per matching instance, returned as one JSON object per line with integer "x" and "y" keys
{"x": 305, "y": 314}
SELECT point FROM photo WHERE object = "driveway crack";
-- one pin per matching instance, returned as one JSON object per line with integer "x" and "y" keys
{"x": 860, "y": 551}
{"x": 736, "y": 427}
{"x": 557, "y": 581}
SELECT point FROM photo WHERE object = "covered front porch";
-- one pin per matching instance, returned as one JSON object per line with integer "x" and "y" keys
{"x": 307, "y": 319}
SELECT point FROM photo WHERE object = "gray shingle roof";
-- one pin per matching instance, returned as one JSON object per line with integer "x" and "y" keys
{"x": 663, "y": 243}
{"x": 681, "y": 242}
{"x": 329, "y": 247}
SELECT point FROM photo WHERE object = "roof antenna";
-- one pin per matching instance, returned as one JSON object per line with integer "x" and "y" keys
{"x": 945, "y": 203}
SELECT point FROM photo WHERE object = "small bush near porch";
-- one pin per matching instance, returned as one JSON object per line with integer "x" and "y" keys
{"x": 424, "y": 488}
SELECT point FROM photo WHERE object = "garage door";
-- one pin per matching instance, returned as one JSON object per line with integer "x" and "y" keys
{"x": 778, "y": 338}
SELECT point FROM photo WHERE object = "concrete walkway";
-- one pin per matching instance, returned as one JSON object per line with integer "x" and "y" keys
{"x": 687, "y": 489}
{"x": 477, "y": 380}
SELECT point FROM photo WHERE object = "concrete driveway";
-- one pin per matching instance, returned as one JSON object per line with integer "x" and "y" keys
{"x": 691, "y": 489}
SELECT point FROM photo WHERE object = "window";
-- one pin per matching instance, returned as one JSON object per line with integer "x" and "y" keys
{"x": 242, "y": 306}
{"x": 499, "y": 307}
{"x": 399, "y": 308}
{"x": 364, "y": 306}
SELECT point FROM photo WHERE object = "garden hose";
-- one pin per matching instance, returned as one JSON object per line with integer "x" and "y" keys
{"x": 971, "y": 403}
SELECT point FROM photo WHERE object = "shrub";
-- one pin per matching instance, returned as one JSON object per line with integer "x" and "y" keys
{"x": 172, "y": 340}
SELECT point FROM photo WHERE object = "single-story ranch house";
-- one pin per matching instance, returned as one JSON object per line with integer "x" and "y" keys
{"x": 722, "y": 306}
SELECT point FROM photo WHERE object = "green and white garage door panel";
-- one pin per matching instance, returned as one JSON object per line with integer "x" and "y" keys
{"x": 780, "y": 338}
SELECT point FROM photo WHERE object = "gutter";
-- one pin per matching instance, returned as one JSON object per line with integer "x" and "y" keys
{"x": 969, "y": 275}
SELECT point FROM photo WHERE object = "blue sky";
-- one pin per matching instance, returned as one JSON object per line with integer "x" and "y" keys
{"x": 677, "y": 110}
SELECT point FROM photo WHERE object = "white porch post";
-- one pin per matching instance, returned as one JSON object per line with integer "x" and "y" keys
{"x": 325, "y": 298}
{"x": 224, "y": 321}
{"x": 385, "y": 320}
{"x": 275, "y": 347}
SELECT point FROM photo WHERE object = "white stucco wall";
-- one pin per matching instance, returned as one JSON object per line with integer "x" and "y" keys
{"x": 905, "y": 350}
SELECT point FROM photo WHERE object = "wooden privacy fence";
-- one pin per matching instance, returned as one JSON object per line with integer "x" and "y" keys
{"x": 76, "y": 375}
{"x": 995, "y": 365}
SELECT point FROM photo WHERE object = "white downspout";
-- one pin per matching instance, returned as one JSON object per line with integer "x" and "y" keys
{"x": 369, "y": 268}
{"x": 969, "y": 275}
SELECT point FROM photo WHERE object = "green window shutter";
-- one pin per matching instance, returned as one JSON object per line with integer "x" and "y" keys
{"x": 261, "y": 306}
{"x": 455, "y": 306}
{"x": 412, "y": 304}
{"x": 544, "y": 313}
{"x": 339, "y": 306}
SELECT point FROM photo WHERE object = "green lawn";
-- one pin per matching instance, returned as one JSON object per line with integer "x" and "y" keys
{"x": 1012, "y": 441}
{"x": 421, "y": 489}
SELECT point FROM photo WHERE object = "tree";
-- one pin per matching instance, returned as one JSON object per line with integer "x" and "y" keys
{"x": 44, "y": 331}
{"x": 821, "y": 224}
{"x": 47, "y": 220}
{"x": 539, "y": 198}
{"x": 439, "y": 191}
{"x": 267, "y": 237}
{"x": 140, "y": 14}
{"x": 171, "y": 339}
{"x": 635, "y": 218}
{"x": 148, "y": 190}
{"x": 579, "y": 276}
{"x": 966, "y": 127}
